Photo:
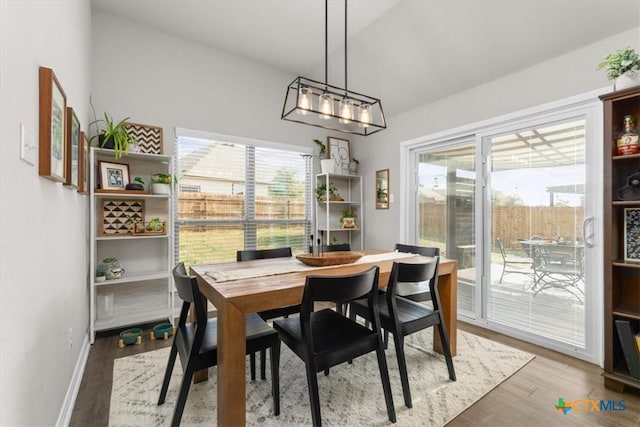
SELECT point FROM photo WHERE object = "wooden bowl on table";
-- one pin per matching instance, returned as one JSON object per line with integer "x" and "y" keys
{"x": 330, "y": 258}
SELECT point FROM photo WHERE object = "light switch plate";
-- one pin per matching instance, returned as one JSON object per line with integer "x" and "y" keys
{"x": 391, "y": 198}
{"x": 28, "y": 151}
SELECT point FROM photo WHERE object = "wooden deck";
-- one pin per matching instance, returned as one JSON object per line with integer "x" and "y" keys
{"x": 554, "y": 313}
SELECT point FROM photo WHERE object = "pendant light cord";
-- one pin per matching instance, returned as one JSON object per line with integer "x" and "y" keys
{"x": 345, "y": 49}
{"x": 326, "y": 41}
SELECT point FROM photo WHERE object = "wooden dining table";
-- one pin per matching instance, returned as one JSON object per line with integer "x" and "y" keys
{"x": 234, "y": 299}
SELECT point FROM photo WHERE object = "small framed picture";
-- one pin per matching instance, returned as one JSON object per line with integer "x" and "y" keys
{"x": 632, "y": 234}
{"x": 113, "y": 176}
{"x": 53, "y": 108}
{"x": 339, "y": 152}
{"x": 72, "y": 149}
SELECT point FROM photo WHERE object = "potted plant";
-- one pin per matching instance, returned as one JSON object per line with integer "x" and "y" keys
{"x": 113, "y": 135}
{"x": 101, "y": 275}
{"x": 348, "y": 219}
{"x": 623, "y": 66}
{"x": 111, "y": 266}
{"x": 161, "y": 183}
{"x": 137, "y": 185}
{"x": 321, "y": 192}
{"x": 326, "y": 165}
{"x": 381, "y": 195}
{"x": 353, "y": 165}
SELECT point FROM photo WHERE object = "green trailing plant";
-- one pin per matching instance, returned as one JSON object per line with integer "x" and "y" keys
{"x": 155, "y": 224}
{"x": 621, "y": 62}
{"x": 101, "y": 273}
{"x": 139, "y": 180}
{"x": 322, "y": 151}
{"x": 111, "y": 131}
{"x": 110, "y": 260}
{"x": 356, "y": 161}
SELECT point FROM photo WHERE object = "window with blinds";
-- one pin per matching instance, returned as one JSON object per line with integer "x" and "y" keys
{"x": 249, "y": 197}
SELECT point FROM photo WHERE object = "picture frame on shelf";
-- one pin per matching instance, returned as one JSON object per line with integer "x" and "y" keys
{"x": 83, "y": 164}
{"x": 52, "y": 127}
{"x": 339, "y": 152}
{"x": 113, "y": 176}
{"x": 72, "y": 149}
{"x": 632, "y": 235}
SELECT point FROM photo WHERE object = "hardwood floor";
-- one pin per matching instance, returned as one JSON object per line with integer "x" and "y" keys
{"x": 528, "y": 398}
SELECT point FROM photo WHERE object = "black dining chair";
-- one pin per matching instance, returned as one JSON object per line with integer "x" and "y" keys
{"x": 253, "y": 254}
{"x": 403, "y": 317}
{"x": 415, "y": 291}
{"x": 326, "y": 338}
{"x": 339, "y": 247}
{"x": 197, "y": 345}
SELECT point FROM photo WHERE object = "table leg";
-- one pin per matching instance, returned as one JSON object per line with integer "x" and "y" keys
{"x": 448, "y": 291}
{"x": 231, "y": 366}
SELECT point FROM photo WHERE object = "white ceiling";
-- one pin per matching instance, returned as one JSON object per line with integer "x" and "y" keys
{"x": 405, "y": 52}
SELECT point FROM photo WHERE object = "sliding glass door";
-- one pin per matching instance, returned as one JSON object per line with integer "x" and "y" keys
{"x": 512, "y": 204}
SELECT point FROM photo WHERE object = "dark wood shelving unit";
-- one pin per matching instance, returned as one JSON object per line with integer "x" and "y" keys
{"x": 621, "y": 278}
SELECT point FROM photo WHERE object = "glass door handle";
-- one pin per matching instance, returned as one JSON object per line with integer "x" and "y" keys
{"x": 588, "y": 238}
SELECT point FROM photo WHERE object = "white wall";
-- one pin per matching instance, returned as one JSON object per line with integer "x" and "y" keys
{"x": 158, "y": 79}
{"x": 558, "y": 78}
{"x": 43, "y": 247}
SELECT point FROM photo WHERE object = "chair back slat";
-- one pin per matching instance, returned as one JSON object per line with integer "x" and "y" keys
{"x": 419, "y": 250}
{"x": 339, "y": 288}
{"x": 415, "y": 272}
{"x": 248, "y": 255}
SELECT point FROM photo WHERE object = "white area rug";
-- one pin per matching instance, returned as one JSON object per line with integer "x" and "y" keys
{"x": 350, "y": 396}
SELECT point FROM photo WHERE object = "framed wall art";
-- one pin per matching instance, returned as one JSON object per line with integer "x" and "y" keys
{"x": 147, "y": 138}
{"x": 113, "y": 176}
{"x": 83, "y": 164}
{"x": 72, "y": 149}
{"x": 52, "y": 123}
{"x": 119, "y": 216}
{"x": 338, "y": 151}
{"x": 632, "y": 234}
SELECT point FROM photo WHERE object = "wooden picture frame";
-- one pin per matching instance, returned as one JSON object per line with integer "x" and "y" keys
{"x": 338, "y": 151}
{"x": 382, "y": 189}
{"x": 632, "y": 234}
{"x": 83, "y": 165}
{"x": 148, "y": 138}
{"x": 72, "y": 149}
{"x": 52, "y": 123}
{"x": 113, "y": 176}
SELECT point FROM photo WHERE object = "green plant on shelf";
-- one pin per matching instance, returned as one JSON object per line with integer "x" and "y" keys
{"x": 623, "y": 61}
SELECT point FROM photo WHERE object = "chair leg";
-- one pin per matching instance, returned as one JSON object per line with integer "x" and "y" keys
{"x": 386, "y": 384}
{"x": 167, "y": 374}
{"x": 275, "y": 376}
{"x": 314, "y": 397}
{"x": 252, "y": 364}
{"x": 444, "y": 338}
{"x": 398, "y": 340}
{"x": 182, "y": 396}
{"x": 263, "y": 364}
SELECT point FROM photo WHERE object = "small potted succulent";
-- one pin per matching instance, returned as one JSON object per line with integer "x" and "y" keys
{"x": 321, "y": 193}
{"x": 348, "y": 219}
{"x": 623, "y": 66}
{"x": 101, "y": 275}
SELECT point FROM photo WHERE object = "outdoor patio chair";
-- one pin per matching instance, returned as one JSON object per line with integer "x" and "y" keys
{"x": 558, "y": 267}
{"x": 511, "y": 264}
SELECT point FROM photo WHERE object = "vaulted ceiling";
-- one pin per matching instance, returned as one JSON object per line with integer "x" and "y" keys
{"x": 405, "y": 52}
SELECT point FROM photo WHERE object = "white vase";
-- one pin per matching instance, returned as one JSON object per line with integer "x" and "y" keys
{"x": 327, "y": 166}
{"x": 627, "y": 80}
{"x": 157, "y": 188}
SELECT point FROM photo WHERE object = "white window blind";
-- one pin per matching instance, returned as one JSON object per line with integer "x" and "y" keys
{"x": 250, "y": 197}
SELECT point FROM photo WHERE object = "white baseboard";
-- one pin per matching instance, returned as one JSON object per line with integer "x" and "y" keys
{"x": 64, "y": 417}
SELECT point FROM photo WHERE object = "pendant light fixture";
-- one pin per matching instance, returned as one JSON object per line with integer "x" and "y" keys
{"x": 330, "y": 107}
